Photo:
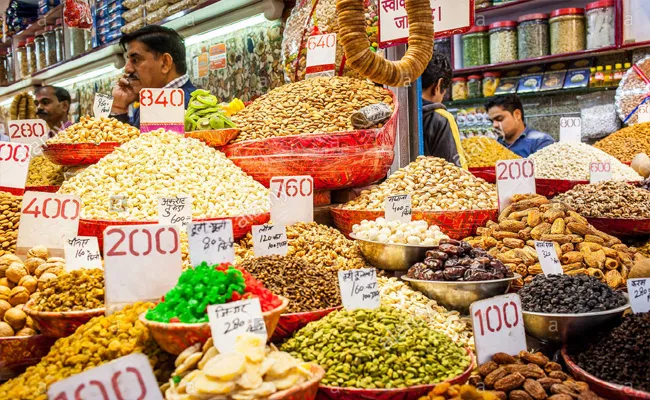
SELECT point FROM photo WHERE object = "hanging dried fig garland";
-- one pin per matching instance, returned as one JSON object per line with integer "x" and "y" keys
{"x": 353, "y": 38}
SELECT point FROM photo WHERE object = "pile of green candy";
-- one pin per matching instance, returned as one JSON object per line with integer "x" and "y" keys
{"x": 204, "y": 113}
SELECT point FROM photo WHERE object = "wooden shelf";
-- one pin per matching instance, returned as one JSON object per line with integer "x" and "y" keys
{"x": 577, "y": 91}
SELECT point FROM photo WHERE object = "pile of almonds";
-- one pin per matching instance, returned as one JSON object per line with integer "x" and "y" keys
{"x": 9, "y": 221}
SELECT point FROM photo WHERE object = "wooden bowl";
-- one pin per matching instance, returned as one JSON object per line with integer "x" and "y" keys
{"x": 291, "y": 323}
{"x": 174, "y": 337}
{"x": 305, "y": 391}
{"x": 19, "y": 352}
{"x": 60, "y": 324}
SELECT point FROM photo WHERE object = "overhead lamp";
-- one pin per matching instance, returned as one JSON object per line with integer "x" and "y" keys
{"x": 224, "y": 30}
{"x": 109, "y": 69}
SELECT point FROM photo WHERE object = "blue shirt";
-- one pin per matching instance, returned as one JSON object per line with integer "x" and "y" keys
{"x": 529, "y": 142}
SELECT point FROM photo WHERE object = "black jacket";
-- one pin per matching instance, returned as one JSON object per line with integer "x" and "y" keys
{"x": 438, "y": 138}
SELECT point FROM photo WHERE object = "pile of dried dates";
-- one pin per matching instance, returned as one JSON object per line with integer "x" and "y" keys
{"x": 454, "y": 260}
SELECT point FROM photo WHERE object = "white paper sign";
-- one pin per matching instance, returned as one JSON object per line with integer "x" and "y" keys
{"x": 498, "y": 326}
{"x": 321, "y": 55}
{"x": 162, "y": 108}
{"x": 398, "y": 208}
{"x": 643, "y": 113}
{"x": 270, "y": 240}
{"x": 81, "y": 252}
{"x": 449, "y": 17}
{"x": 514, "y": 177}
{"x": 292, "y": 199}
{"x": 14, "y": 164}
{"x": 175, "y": 210}
{"x": 359, "y": 288}
{"x": 128, "y": 377}
{"x": 33, "y": 132}
{"x": 230, "y": 320}
{"x": 600, "y": 171}
{"x": 548, "y": 258}
{"x": 639, "y": 291}
{"x": 141, "y": 262}
{"x": 570, "y": 129}
{"x": 212, "y": 242}
{"x": 102, "y": 105}
{"x": 46, "y": 218}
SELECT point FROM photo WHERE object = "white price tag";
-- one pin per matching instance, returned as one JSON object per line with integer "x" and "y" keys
{"x": 175, "y": 210}
{"x": 128, "y": 377}
{"x": 292, "y": 199}
{"x": 33, "y": 132}
{"x": 359, "y": 288}
{"x": 643, "y": 113}
{"x": 230, "y": 320}
{"x": 141, "y": 262}
{"x": 45, "y": 219}
{"x": 102, "y": 105}
{"x": 270, "y": 240}
{"x": 514, "y": 177}
{"x": 212, "y": 242}
{"x": 321, "y": 55}
{"x": 398, "y": 208}
{"x": 162, "y": 108}
{"x": 548, "y": 258}
{"x": 498, "y": 326}
{"x": 600, "y": 171}
{"x": 81, "y": 252}
{"x": 14, "y": 165}
{"x": 639, "y": 292}
{"x": 570, "y": 129}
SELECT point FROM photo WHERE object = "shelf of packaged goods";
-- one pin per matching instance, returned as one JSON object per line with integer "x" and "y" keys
{"x": 40, "y": 23}
{"x": 482, "y": 100}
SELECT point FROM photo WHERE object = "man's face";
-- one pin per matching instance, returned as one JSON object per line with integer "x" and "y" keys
{"x": 49, "y": 108}
{"x": 504, "y": 122}
{"x": 145, "y": 70}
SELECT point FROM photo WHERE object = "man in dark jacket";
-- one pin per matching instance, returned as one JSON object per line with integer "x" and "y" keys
{"x": 441, "y": 137}
{"x": 155, "y": 58}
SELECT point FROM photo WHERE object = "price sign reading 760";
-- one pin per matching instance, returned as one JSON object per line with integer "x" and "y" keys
{"x": 292, "y": 199}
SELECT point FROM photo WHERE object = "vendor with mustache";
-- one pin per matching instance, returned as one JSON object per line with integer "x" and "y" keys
{"x": 155, "y": 58}
{"x": 52, "y": 105}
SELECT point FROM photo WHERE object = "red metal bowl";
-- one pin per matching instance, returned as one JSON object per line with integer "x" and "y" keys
{"x": 291, "y": 323}
{"x": 214, "y": 137}
{"x": 78, "y": 153}
{"x": 48, "y": 189}
{"x": 409, "y": 393}
{"x": 14, "y": 191}
{"x": 610, "y": 391}
{"x": 552, "y": 187}
{"x": 488, "y": 174}
{"x": 621, "y": 226}
{"x": 455, "y": 224}
{"x": 19, "y": 352}
{"x": 60, "y": 324}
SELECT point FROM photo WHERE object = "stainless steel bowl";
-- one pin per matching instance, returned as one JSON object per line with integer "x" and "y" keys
{"x": 391, "y": 257}
{"x": 562, "y": 328}
{"x": 459, "y": 296}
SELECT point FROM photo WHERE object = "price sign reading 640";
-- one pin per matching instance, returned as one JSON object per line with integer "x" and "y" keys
{"x": 514, "y": 177}
{"x": 321, "y": 55}
{"x": 162, "y": 108}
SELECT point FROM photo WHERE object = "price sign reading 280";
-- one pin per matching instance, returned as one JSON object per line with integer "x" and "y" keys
{"x": 162, "y": 108}
{"x": 514, "y": 177}
{"x": 292, "y": 199}
{"x": 29, "y": 131}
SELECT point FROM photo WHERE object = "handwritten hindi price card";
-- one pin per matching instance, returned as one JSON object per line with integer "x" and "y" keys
{"x": 269, "y": 240}
{"x": 212, "y": 242}
{"x": 498, "y": 326}
{"x": 600, "y": 171}
{"x": 643, "y": 113}
{"x": 14, "y": 165}
{"x": 639, "y": 292}
{"x": 514, "y": 177}
{"x": 570, "y": 129}
{"x": 129, "y": 377}
{"x": 81, "y": 252}
{"x": 102, "y": 105}
{"x": 230, "y": 320}
{"x": 162, "y": 108}
{"x": 321, "y": 55}
{"x": 33, "y": 132}
{"x": 292, "y": 199}
{"x": 398, "y": 208}
{"x": 359, "y": 288}
{"x": 548, "y": 258}
{"x": 175, "y": 210}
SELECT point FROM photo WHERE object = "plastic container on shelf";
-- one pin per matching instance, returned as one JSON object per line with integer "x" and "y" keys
{"x": 22, "y": 63}
{"x": 77, "y": 41}
{"x": 599, "y": 79}
{"x": 618, "y": 73}
{"x": 474, "y": 87}
{"x": 476, "y": 47}
{"x": 503, "y": 42}
{"x": 50, "y": 45}
{"x": 601, "y": 24}
{"x": 609, "y": 76}
{"x": 30, "y": 50}
{"x": 459, "y": 89}
{"x": 4, "y": 79}
{"x": 491, "y": 82}
{"x": 567, "y": 30}
{"x": 39, "y": 42}
{"x": 532, "y": 36}
{"x": 58, "y": 37}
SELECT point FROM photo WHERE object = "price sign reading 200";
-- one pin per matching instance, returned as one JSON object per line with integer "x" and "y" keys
{"x": 525, "y": 169}
{"x": 152, "y": 235}
{"x": 164, "y": 98}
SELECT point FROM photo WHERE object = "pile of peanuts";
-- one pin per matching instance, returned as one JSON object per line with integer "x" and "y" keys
{"x": 165, "y": 164}
{"x": 482, "y": 151}
{"x": 9, "y": 221}
{"x": 434, "y": 185}
{"x": 43, "y": 172}
{"x": 626, "y": 143}
{"x": 96, "y": 130}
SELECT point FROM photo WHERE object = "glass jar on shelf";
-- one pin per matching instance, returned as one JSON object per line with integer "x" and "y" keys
{"x": 491, "y": 81}
{"x": 50, "y": 45}
{"x": 58, "y": 37}
{"x": 31, "y": 54}
{"x": 88, "y": 40}
{"x": 567, "y": 30}
{"x": 10, "y": 68}
{"x": 474, "y": 87}
{"x": 532, "y": 36}
{"x": 40, "y": 53}
{"x": 503, "y": 42}
{"x": 601, "y": 24}
{"x": 4, "y": 79}
{"x": 459, "y": 89}
{"x": 23, "y": 63}
{"x": 77, "y": 41}
{"x": 476, "y": 47}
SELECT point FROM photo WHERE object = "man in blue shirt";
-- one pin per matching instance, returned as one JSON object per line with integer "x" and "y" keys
{"x": 507, "y": 116}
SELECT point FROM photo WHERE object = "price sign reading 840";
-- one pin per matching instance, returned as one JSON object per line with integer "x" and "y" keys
{"x": 292, "y": 199}
{"x": 162, "y": 108}
{"x": 30, "y": 131}
{"x": 514, "y": 177}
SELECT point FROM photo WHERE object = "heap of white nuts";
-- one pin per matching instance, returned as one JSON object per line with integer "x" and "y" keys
{"x": 166, "y": 164}
{"x": 570, "y": 161}
{"x": 413, "y": 232}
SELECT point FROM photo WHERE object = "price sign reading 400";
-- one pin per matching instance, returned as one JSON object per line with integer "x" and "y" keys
{"x": 514, "y": 177}
{"x": 162, "y": 108}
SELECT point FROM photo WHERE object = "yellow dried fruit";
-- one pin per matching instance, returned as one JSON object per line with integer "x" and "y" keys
{"x": 81, "y": 289}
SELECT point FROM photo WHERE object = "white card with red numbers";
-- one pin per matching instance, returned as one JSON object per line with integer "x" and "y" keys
{"x": 639, "y": 291}
{"x": 102, "y": 105}
{"x": 514, "y": 177}
{"x": 359, "y": 288}
{"x": 14, "y": 166}
{"x": 548, "y": 259}
{"x": 128, "y": 377}
{"x": 270, "y": 240}
{"x": 321, "y": 55}
{"x": 211, "y": 242}
{"x": 46, "y": 218}
{"x": 498, "y": 326}
{"x": 292, "y": 199}
{"x": 33, "y": 132}
{"x": 162, "y": 108}
{"x": 643, "y": 113}
{"x": 600, "y": 171}
{"x": 81, "y": 252}
{"x": 141, "y": 262}
{"x": 230, "y": 320}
